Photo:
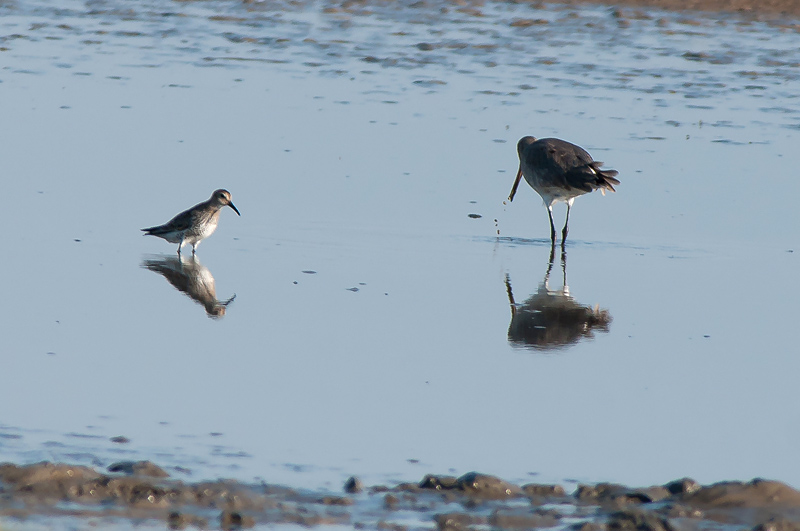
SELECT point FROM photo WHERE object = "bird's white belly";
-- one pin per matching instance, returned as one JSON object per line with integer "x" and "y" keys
{"x": 552, "y": 195}
{"x": 202, "y": 232}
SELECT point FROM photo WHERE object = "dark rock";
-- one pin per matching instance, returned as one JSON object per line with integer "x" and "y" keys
{"x": 234, "y": 520}
{"x": 534, "y": 490}
{"x": 778, "y": 525}
{"x": 526, "y": 22}
{"x": 438, "y": 482}
{"x": 335, "y": 500}
{"x": 138, "y": 468}
{"x": 636, "y": 520}
{"x": 510, "y": 519}
{"x": 353, "y": 485}
{"x": 177, "y": 520}
{"x": 650, "y": 494}
{"x": 388, "y": 526}
{"x": 458, "y": 521}
{"x": 618, "y": 495}
{"x": 390, "y": 502}
{"x": 600, "y": 492}
{"x": 758, "y": 493}
{"x": 588, "y": 526}
{"x": 677, "y": 510}
{"x": 682, "y": 486}
{"x": 485, "y": 486}
{"x": 42, "y": 473}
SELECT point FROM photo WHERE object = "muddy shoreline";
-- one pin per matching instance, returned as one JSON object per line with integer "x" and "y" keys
{"x": 130, "y": 492}
{"x": 768, "y": 9}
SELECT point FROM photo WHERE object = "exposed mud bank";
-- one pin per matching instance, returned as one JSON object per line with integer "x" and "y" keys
{"x": 768, "y": 8}
{"x": 142, "y": 491}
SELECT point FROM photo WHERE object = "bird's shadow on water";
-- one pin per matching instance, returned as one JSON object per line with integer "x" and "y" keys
{"x": 551, "y": 319}
{"x": 189, "y": 276}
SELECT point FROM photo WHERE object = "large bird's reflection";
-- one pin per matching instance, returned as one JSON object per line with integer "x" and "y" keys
{"x": 552, "y": 319}
{"x": 192, "y": 278}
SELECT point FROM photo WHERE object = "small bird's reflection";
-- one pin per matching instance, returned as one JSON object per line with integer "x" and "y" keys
{"x": 192, "y": 278}
{"x": 551, "y": 319}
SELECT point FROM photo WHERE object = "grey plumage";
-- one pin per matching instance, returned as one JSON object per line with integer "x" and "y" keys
{"x": 560, "y": 171}
{"x": 195, "y": 224}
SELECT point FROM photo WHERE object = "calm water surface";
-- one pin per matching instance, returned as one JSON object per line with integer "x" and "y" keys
{"x": 369, "y": 333}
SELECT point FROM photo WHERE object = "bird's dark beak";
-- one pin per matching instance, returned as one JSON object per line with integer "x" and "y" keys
{"x": 516, "y": 183}
{"x": 234, "y": 208}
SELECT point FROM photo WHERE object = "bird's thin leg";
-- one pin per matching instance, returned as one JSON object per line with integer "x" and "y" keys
{"x": 510, "y": 296}
{"x": 180, "y": 244}
{"x": 194, "y": 249}
{"x": 552, "y": 226}
{"x": 550, "y": 265}
{"x": 566, "y": 224}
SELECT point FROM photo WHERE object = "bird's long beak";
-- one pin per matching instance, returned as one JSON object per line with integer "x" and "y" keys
{"x": 516, "y": 183}
{"x": 234, "y": 208}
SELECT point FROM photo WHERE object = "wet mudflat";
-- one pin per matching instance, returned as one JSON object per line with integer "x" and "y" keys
{"x": 378, "y": 310}
{"x": 140, "y": 495}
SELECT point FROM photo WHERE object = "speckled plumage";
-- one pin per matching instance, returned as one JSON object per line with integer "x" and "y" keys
{"x": 195, "y": 224}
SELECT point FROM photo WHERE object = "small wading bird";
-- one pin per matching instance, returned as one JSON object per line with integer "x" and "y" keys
{"x": 559, "y": 171}
{"x": 194, "y": 225}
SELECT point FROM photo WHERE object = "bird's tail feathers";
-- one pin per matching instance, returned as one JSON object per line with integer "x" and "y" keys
{"x": 605, "y": 178}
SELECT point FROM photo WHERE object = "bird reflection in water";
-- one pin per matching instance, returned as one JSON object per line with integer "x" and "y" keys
{"x": 192, "y": 278}
{"x": 552, "y": 319}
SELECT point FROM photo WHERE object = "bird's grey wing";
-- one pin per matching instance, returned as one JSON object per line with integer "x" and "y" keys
{"x": 562, "y": 164}
{"x": 578, "y": 169}
{"x": 583, "y": 178}
{"x": 180, "y": 222}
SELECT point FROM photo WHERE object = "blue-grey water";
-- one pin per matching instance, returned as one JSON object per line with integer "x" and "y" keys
{"x": 369, "y": 333}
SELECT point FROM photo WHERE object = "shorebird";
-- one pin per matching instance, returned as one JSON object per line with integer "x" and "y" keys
{"x": 559, "y": 171}
{"x": 196, "y": 224}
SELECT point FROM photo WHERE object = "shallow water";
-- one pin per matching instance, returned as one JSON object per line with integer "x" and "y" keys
{"x": 369, "y": 333}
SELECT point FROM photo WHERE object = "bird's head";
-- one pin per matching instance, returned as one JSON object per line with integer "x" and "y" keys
{"x": 523, "y": 143}
{"x": 223, "y": 198}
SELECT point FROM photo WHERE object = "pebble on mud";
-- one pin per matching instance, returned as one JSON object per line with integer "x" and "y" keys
{"x": 353, "y": 485}
{"x": 234, "y": 520}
